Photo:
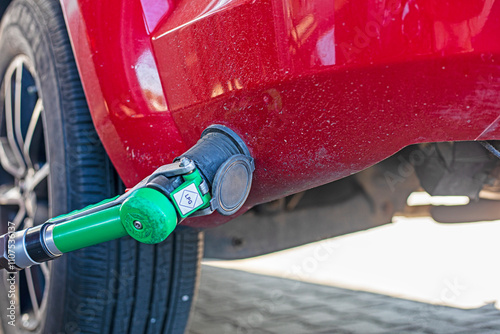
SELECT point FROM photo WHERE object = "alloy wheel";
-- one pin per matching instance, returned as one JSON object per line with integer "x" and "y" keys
{"x": 24, "y": 173}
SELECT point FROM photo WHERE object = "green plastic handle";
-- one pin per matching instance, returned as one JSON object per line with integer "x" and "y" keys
{"x": 89, "y": 230}
{"x": 146, "y": 215}
{"x": 153, "y": 211}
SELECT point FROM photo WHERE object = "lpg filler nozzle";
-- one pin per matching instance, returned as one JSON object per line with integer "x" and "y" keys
{"x": 214, "y": 175}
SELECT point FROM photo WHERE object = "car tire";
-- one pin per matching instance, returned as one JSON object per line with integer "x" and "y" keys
{"x": 116, "y": 287}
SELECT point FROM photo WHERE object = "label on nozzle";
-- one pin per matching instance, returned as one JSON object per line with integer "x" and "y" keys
{"x": 188, "y": 199}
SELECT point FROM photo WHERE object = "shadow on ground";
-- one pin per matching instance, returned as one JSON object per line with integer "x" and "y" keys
{"x": 234, "y": 302}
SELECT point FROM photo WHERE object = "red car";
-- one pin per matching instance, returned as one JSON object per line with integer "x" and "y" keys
{"x": 346, "y": 106}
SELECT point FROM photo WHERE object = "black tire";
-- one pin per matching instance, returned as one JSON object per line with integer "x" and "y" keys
{"x": 117, "y": 287}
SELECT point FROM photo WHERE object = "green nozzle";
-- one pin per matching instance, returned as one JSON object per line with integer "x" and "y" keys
{"x": 148, "y": 216}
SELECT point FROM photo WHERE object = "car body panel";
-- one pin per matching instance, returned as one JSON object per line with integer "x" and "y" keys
{"x": 318, "y": 90}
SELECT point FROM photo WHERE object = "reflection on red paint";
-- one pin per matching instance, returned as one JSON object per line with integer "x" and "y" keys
{"x": 317, "y": 89}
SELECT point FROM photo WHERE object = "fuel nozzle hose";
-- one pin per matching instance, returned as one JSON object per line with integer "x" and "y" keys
{"x": 214, "y": 175}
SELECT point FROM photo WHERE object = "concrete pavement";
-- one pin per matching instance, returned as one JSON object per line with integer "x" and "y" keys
{"x": 412, "y": 276}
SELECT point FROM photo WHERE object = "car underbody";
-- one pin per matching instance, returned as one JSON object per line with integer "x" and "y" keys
{"x": 368, "y": 199}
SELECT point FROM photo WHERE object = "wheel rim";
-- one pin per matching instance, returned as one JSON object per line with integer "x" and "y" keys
{"x": 24, "y": 172}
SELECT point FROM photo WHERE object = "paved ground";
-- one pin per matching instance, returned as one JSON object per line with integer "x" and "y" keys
{"x": 417, "y": 259}
{"x": 233, "y": 301}
{"x": 413, "y": 276}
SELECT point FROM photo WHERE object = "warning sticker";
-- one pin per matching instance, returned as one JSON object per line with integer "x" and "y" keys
{"x": 188, "y": 199}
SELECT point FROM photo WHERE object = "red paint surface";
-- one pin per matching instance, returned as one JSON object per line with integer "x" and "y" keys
{"x": 318, "y": 89}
